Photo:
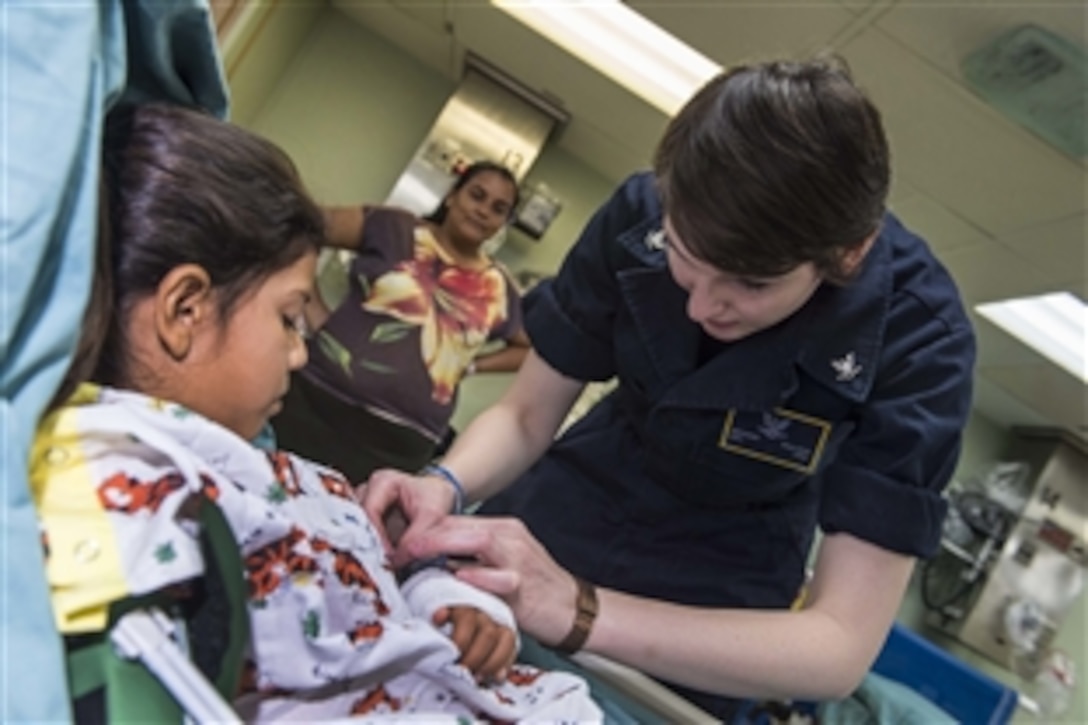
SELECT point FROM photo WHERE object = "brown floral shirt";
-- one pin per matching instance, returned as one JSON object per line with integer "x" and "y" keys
{"x": 411, "y": 323}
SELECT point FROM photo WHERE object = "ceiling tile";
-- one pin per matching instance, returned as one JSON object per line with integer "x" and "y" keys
{"x": 938, "y": 225}
{"x": 734, "y": 32}
{"x": 1058, "y": 248}
{"x": 432, "y": 13}
{"x": 945, "y": 33}
{"x": 856, "y": 6}
{"x": 990, "y": 271}
{"x": 1052, "y": 392}
{"x": 952, "y": 147}
{"x": 419, "y": 36}
{"x": 603, "y": 151}
{"x": 997, "y": 404}
{"x": 901, "y": 191}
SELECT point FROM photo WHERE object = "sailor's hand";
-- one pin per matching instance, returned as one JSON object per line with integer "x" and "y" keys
{"x": 422, "y": 500}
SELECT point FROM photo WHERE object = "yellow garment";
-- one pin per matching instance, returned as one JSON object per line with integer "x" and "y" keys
{"x": 82, "y": 562}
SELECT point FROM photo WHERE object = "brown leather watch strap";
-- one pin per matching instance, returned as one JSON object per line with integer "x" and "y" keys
{"x": 585, "y": 613}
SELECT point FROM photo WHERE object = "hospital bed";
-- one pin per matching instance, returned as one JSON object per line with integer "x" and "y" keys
{"x": 154, "y": 679}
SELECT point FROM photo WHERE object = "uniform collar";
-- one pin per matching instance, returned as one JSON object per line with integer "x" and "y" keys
{"x": 835, "y": 338}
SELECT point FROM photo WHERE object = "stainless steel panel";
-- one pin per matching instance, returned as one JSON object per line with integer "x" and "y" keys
{"x": 489, "y": 117}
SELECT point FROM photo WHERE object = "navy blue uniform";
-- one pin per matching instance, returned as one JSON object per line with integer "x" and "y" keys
{"x": 702, "y": 477}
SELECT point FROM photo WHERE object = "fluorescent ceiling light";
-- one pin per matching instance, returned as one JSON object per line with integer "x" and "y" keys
{"x": 620, "y": 43}
{"x": 1055, "y": 325}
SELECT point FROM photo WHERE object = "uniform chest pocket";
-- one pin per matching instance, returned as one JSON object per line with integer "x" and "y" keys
{"x": 758, "y": 456}
{"x": 732, "y": 456}
{"x": 780, "y": 437}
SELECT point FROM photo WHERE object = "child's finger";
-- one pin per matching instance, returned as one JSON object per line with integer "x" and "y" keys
{"x": 502, "y": 656}
{"x": 479, "y": 650}
{"x": 441, "y": 616}
{"x": 466, "y": 622}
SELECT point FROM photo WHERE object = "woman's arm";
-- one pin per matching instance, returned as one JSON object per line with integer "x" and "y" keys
{"x": 344, "y": 230}
{"x": 508, "y": 437}
{"x": 821, "y": 651}
{"x": 506, "y": 360}
{"x": 343, "y": 226}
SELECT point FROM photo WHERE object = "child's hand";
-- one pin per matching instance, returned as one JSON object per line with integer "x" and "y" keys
{"x": 487, "y": 647}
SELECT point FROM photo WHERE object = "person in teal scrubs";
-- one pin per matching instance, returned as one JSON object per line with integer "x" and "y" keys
{"x": 64, "y": 66}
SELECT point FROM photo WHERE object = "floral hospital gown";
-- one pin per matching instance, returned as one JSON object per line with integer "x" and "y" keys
{"x": 333, "y": 633}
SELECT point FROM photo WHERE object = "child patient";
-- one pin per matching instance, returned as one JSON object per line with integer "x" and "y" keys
{"x": 212, "y": 244}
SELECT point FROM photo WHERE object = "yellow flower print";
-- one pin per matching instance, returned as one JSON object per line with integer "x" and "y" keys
{"x": 455, "y": 308}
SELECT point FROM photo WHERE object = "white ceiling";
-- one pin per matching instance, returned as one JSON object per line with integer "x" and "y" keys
{"x": 1005, "y": 211}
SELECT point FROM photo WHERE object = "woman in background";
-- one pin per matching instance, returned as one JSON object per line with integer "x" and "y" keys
{"x": 424, "y": 299}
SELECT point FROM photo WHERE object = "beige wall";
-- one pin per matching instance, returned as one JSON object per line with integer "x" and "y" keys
{"x": 351, "y": 110}
{"x": 580, "y": 190}
{"x": 260, "y": 44}
{"x": 984, "y": 443}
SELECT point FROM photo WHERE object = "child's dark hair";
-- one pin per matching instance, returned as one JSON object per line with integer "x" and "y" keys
{"x": 439, "y": 214}
{"x": 183, "y": 187}
{"x": 773, "y": 165}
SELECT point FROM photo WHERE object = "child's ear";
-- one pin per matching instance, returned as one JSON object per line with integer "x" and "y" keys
{"x": 183, "y": 300}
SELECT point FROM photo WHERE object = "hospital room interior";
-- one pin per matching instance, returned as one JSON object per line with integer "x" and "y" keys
{"x": 994, "y": 181}
{"x": 385, "y": 101}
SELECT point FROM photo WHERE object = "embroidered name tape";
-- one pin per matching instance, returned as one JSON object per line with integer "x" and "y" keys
{"x": 780, "y": 437}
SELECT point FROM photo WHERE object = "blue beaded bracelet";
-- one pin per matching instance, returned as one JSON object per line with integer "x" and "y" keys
{"x": 458, "y": 489}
